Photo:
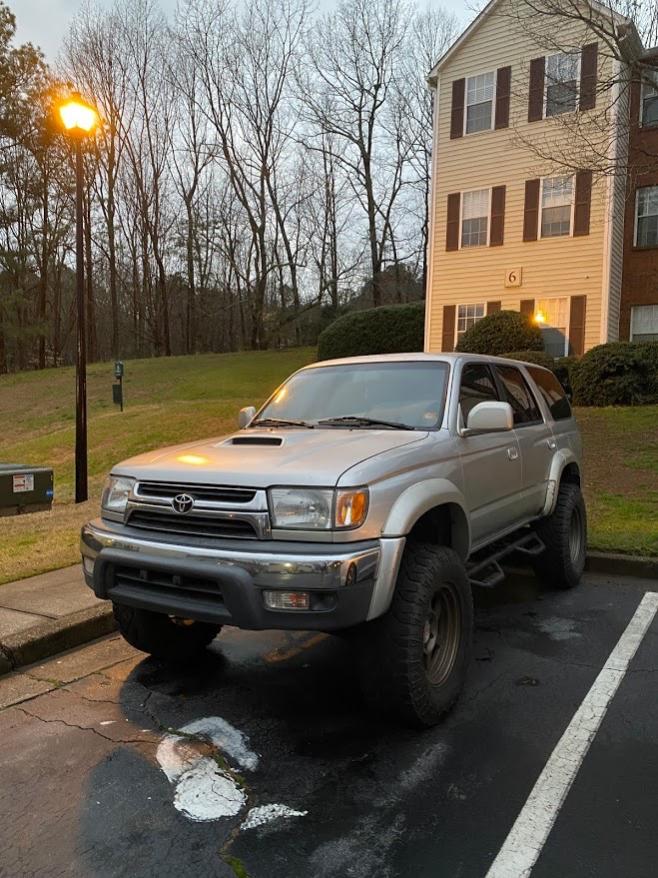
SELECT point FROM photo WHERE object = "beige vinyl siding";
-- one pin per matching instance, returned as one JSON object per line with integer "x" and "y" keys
{"x": 551, "y": 267}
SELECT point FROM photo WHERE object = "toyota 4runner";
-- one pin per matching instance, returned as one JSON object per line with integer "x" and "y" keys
{"x": 367, "y": 495}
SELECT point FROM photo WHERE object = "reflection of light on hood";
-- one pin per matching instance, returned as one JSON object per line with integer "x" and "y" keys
{"x": 192, "y": 459}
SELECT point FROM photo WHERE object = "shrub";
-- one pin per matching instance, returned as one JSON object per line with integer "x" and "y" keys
{"x": 386, "y": 330}
{"x": 619, "y": 373}
{"x": 500, "y": 332}
{"x": 540, "y": 358}
{"x": 565, "y": 369}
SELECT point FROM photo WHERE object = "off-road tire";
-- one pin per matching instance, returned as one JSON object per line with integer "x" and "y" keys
{"x": 564, "y": 533}
{"x": 395, "y": 665}
{"x": 162, "y": 637}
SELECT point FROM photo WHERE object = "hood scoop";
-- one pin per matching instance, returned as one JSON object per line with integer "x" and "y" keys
{"x": 256, "y": 440}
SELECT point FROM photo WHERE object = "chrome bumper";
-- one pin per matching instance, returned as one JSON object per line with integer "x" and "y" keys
{"x": 361, "y": 576}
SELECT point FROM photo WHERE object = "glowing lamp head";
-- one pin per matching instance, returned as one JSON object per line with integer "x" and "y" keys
{"x": 540, "y": 317}
{"x": 77, "y": 116}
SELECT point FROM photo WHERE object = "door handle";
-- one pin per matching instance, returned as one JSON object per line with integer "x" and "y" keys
{"x": 513, "y": 453}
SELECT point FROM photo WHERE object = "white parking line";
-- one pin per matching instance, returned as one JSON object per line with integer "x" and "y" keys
{"x": 527, "y": 837}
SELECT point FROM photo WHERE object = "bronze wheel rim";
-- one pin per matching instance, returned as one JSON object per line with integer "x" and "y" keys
{"x": 441, "y": 634}
{"x": 575, "y": 536}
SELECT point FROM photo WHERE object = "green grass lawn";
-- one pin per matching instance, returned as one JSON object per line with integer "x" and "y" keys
{"x": 185, "y": 398}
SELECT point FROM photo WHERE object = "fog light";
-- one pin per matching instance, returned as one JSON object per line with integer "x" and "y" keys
{"x": 287, "y": 600}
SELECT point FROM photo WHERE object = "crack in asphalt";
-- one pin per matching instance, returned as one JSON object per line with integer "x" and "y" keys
{"x": 85, "y": 729}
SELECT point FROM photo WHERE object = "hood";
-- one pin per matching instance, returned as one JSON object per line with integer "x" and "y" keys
{"x": 260, "y": 459}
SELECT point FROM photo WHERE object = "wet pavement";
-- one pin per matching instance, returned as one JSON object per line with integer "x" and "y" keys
{"x": 109, "y": 760}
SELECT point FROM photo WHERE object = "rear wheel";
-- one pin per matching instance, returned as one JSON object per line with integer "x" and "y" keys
{"x": 564, "y": 533}
{"x": 413, "y": 660}
{"x": 162, "y": 636}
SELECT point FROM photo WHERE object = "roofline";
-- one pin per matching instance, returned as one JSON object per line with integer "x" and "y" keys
{"x": 433, "y": 75}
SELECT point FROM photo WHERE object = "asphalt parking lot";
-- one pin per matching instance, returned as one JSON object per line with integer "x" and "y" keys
{"x": 107, "y": 765}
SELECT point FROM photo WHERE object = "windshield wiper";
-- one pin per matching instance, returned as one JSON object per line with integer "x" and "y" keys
{"x": 280, "y": 422}
{"x": 357, "y": 421}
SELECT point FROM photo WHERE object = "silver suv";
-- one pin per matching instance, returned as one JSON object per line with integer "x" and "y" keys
{"x": 367, "y": 495}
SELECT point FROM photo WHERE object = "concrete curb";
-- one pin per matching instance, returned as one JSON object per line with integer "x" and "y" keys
{"x": 622, "y": 565}
{"x": 55, "y": 635}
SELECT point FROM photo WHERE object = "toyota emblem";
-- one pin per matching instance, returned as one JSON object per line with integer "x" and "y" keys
{"x": 182, "y": 503}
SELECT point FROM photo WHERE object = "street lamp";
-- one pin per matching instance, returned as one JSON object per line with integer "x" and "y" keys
{"x": 79, "y": 120}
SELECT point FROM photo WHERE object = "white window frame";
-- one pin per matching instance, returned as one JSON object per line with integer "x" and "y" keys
{"x": 541, "y": 237}
{"x": 641, "y": 110}
{"x": 634, "y": 314}
{"x": 637, "y": 219}
{"x": 488, "y": 189}
{"x": 578, "y": 65}
{"x": 493, "y": 103}
{"x": 568, "y": 321}
{"x": 466, "y": 305}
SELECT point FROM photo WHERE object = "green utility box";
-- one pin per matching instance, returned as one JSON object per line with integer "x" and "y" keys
{"x": 25, "y": 489}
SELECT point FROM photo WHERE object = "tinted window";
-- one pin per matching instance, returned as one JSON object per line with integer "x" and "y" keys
{"x": 477, "y": 386}
{"x": 553, "y": 393}
{"x": 518, "y": 395}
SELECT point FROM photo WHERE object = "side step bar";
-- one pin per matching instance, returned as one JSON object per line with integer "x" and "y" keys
{"x": 484, "y": 570}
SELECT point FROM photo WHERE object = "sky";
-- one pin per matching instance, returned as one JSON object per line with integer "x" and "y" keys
{"x": 44, "y": 22}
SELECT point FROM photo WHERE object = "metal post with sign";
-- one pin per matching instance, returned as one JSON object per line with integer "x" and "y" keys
{"x": 117, "y": 389}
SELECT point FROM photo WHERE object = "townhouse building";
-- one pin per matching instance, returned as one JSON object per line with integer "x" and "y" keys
{"x": 577, "y": 251}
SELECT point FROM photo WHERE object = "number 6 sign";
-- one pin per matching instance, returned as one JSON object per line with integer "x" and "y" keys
{"x": 513, "y": 277}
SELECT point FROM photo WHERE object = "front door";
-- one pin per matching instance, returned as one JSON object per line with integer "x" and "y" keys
{"x": 491, "y": 462}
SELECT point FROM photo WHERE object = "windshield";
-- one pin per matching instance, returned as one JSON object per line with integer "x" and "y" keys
{"x": 410, "y": 394}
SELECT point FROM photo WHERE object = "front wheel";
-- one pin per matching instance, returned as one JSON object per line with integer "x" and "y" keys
{"x": 162, "y": 636}
{"x": 564, "y": 533}
{"x": 413, "y": 660}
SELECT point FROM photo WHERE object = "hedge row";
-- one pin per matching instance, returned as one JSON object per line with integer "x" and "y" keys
{"x": 501, "y": 332}
{"x": 387, "y": 330}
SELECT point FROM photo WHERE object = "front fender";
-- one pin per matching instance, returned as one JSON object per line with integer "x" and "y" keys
{"x": 418, "y": 499}
{"x": 561, "y": 459}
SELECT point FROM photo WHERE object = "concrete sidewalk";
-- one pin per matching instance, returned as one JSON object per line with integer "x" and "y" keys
{"x": 47, "y": 614}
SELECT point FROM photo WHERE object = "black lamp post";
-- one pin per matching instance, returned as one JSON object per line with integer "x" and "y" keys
{"x": 80, "y": 120}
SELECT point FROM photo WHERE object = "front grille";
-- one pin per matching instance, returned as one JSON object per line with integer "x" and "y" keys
{"x": 193, "y": 525}
{"x": 213, "y": 493}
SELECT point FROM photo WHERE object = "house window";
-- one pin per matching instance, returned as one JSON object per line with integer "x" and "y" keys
{"x": 475, "y": 218}
{"x": 649, "y": 101}
{"x": 561, "y": 83}
{"x": 556, "y": 200}
{"x": 646, "y": 217}
{"x": 552, "y": 315}
{"x": 479, "y": 102}
{"x": 644, "y": 323}
{"x": 467, "y": 316}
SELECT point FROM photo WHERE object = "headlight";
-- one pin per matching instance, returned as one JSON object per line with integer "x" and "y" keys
{"x": 318, "y": 508}
{"x": 302, "y": 507}
{"x": 115, "y": 493}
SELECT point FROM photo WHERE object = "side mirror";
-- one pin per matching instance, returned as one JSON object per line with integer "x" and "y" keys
{"x": 246, "y": 416}
{"x": 489, "y": 417}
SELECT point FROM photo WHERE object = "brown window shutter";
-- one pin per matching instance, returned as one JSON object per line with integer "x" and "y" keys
{"x": 448, "y": 334}
{"x": 503, "y": 85}
{"x": 536, "y": 93}
{"x": 457, "y": 112}
{"x": 531, "y": 210}
{"x": 588, "y": 65}
{"x": 577, "y": 310}
{"x": 493, "y": 307}
{"x": 452, "y": 223}
{"x": 583, "y": 201}
{"x": 497, "y": 216}
{"x": 527, "y": 307}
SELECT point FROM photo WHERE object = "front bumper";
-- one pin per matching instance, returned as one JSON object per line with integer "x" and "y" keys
{"x": 224, "y": 582}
